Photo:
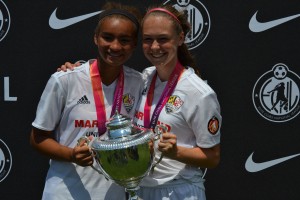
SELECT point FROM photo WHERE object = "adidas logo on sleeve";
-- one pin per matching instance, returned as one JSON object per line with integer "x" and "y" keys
{"x": 83, "y": 100}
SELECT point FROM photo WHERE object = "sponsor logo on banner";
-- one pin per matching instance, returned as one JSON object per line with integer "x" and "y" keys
{"x": 56, "y": 23}
{"x": 256, "y": 26}
{"x": 5, "y": 160}
{"x": 4, "y": 20}
{"x": 276, "y": 94}
{"x": 252, "y": 166}
{"x": 199, "y": 19}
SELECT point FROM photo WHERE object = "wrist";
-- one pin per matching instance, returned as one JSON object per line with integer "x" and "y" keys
{"x": 73, "y": 157}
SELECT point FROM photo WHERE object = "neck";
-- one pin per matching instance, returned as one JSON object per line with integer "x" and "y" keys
{"x": 109, "y": 73}
{"x": 164, "y": 71}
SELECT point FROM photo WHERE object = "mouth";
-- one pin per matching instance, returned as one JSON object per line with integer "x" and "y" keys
{"x": 114, "y": 55}
{"x": 157, "y": 55}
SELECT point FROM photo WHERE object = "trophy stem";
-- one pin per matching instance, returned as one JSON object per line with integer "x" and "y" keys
{"x": 132, "y": 193}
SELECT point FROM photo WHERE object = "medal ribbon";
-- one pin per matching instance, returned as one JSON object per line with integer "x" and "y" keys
{"x": 168, "y": 90}
{"x": 99, "y": 97}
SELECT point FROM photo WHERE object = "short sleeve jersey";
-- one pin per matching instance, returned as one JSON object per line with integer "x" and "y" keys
{"x": 192, "y": 112}
{"x": 67, "y": 108}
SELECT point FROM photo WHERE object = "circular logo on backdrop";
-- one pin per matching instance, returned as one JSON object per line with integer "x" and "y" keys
{"x": 5, "y": 160}
{"x": 4, "y": 20}
{"x": 199, "y": 19}
{"x": 276, "y": 94}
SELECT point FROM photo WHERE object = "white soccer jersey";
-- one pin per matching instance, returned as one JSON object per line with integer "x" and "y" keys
{"x": 192, "y": 113}
{"x": 67, "y": 107}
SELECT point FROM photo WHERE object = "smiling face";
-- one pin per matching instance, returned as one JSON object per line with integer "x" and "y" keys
{"x": 160, "y": 40}
{"x": 116, "y": 40}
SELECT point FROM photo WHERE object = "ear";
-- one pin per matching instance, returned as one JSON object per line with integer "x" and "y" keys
{"x": 181, "y": 38}
{"x": 95, "y": 39}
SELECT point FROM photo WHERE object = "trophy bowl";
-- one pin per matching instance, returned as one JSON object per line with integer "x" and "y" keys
{"x": 126, "y": 154}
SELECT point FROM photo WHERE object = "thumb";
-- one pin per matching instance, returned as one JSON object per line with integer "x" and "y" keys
{"x": 82, "y": 142}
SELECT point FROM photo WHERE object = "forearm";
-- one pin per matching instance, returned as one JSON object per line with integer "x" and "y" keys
{"x": 200, "y": 157}
{"x": 43, "y": 142}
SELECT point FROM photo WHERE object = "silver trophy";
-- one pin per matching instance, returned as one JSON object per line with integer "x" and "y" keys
{"x": 126, "y": 155}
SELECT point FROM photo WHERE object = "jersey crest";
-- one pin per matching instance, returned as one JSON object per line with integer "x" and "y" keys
{"x": 173, "y": 104}
{"x": 128, "y": 101}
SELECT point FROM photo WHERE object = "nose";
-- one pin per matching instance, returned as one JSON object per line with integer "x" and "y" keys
{"x": 115, "y": 45}
{"x": 155, "y": 45}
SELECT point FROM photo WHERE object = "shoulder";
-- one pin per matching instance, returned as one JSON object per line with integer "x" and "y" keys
{"x": 71, "y": 78}
{"x": 82, "y": 69}
{"x": 148, "y": 74}
{"x": 194, "y": 82}
{"x": 148, "y": 71}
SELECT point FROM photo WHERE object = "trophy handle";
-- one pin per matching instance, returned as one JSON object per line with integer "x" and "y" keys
{"x": 89, "y": 141}
{"x": 158, "y": 131}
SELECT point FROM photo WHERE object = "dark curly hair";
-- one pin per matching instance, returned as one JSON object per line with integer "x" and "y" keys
{"x": 133, "y": 11}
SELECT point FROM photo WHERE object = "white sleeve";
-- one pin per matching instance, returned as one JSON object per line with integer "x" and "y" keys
{"x": 51, "y": 106}
{"x": 206, "y": 120}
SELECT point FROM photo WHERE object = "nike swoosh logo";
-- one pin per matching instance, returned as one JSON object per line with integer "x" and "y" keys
{"x": 252, "y": 166}
{"x": 256, "y": 26}
{"x": 56, "y": 23}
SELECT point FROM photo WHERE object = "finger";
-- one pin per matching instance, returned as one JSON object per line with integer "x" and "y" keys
{"x": 90, "y": 137}
{"x": 163, "y": 145}
{"x": 62, "y": 68}
{"x": 83, "y": 153}
{"x": 169, "y": 137}
{"x": 92, "y": 153}
{"x": 69, "y": 66}
{"x": 166, "y": 139}
{"x": 77, "y": 64}
{"x": 164, "y": 149}
{"x": 86, "y": 161}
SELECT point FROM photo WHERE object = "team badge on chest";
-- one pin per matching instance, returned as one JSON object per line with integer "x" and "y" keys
{"x": 128, "y": 101}
{"x": 173, "y": 104}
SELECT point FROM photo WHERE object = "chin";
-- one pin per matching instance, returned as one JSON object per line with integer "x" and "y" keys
{"x": 157, "y": 61}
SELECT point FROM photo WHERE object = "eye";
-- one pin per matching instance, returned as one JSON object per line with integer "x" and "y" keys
{"x": 107, "y": 38}
{"x": 125, "y": 40}
{"x": 147, "y": 40}
{"x": 162, "y": 39}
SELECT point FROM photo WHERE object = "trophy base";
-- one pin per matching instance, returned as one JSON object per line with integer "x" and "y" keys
{"x": 132, "y": 193}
